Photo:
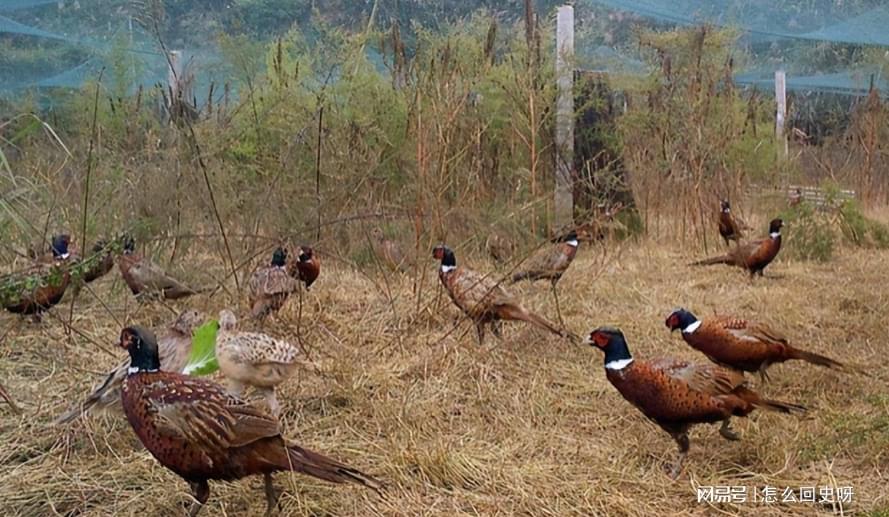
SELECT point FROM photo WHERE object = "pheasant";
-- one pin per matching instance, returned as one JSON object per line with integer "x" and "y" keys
{"x": 41, "y": 286}
{"x": 254, "y": 359}
{"x": 753, "y": 256}
{"x": 499, "y": 247}
{"x": 142, "y": 276}
{"x": 389, "y": 250}
{"x": 676, "y": 394}
{"x": 728, "y": 226}
{"x": 483, "y": 299}
{"x": 306, "y": 267}
{"x": 270, "y": 286}
{"x": 741, "y": 344}
{"x": 195, "y": 429}
{"x": 173, "y": 349}
{"x": 103, "y": 266}
{"x": 550, "y": 263}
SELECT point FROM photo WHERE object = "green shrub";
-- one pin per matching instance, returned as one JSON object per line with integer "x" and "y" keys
{"x": 809, "y": 234}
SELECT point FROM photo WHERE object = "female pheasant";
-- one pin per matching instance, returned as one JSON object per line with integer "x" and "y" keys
{"x": 253, "y": 359}
{"x": 270, "y": 286}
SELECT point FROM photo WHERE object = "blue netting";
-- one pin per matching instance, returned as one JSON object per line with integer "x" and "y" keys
{"x": 13, "y": 5}
{"x": 770, "y": 26}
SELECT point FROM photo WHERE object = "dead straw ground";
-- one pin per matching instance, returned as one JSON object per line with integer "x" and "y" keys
{"x": 524, "y": 426}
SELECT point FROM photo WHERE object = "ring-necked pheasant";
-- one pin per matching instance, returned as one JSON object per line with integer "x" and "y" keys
{"x": 103, "y": 266}
{"x": 741, "y": 344}
{"x": 142, "y": 276}
{"x": 306, "y": 267}
{"x": 172, "y": 349}
{"x": 676, "y": 394}
{"x": 253, "y": 359}
{"x": 271, "y": 285}
{"x": 42, "y": 285}
{"x": 550, "y": 263}
{"x": 728, "y": 226}
{"x": 389, "y": 251}
{"x": 753, "y": 256}
{"x": 482, "y": 298}
{"x": 200, "y": 432}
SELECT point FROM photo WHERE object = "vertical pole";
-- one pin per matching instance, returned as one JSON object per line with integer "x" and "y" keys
{"x": 174, "y": 74}
{"x": 564, "y": 195}
{"x": 781, "y": 112}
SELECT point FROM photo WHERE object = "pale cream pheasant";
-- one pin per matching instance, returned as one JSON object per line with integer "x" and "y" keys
{"x": 253, "y": 359}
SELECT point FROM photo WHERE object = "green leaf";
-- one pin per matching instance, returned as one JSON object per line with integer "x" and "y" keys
{"x": 202, "y": 359}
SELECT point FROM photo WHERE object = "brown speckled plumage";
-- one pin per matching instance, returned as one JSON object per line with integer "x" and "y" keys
{"x": 549, "y": 262}
{"x": 142, "y": 276}
{"x": 742, "y": 344}
{"x": 677, "y": 394}
{"x": 482, "y": 298}
{"x": 270, "y": 286}
{"x": 253, "y": 359}
{"x": 196, "y": 429}
{"x": 753, "y": 256}
{"x": 173, "y": 349}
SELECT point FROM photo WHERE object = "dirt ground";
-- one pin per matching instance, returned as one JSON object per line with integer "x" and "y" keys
{"x": 527, "y": 425}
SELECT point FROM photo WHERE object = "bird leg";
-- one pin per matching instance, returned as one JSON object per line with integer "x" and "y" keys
{"x": 727, "y": 432}
{"x": 496, "y": 327}
{"x": 480, "y": 331}
{"x": 201, "y": 492}
{"x": 682, "y": 442}
{"x": 271, "y": 495}
{"x": 763, "y": 374}
{"x": 558, "y": 307}
{"x": 272, "y": 400}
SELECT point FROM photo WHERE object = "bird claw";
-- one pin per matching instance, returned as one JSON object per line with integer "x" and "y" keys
{"x": 673, "y": 470}
{"x": 728, "y": 434}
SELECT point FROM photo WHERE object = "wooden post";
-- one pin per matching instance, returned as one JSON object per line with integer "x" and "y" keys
{"x": 781, "y": 112}
{"x": 174, "y": 75}
{"x": 564, "y": 195}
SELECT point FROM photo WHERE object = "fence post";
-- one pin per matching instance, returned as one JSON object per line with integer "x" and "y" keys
{"x": 564, "y": 191}
{"x": 781, "y": 112}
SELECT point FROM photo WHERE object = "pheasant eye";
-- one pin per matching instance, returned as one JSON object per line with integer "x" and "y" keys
{"x": 600, "y": 339}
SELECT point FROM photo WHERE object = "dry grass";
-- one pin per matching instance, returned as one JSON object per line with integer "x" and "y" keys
{"x": 524, "y": 426}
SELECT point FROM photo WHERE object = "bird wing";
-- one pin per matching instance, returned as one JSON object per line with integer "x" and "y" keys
{"x": 547, "y": 260}
{"x": 152, "y": 277}
{"x": 201, "y": 412}
{"x": 271, "y": 280}
{"x": 257, "y": 348}
{"x": 475, "y": 290}
{"x": 706, "y": 378}
{"x": 751, "y": 331}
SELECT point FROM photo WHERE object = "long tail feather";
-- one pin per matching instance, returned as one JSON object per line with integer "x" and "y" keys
{"x": 820, "y": 360}
{"x": 779, "y": 406}
{"x": 722, "y": 259}
{"x": 319, "y": 466}
{"x": 96, "y": 398}
{"x": 520, "y": 313}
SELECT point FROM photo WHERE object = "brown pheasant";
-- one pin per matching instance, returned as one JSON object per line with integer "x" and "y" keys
{"x": 173, "y": 349}
{"x": 483, "y": 299}
{"x": 677, "y": 394}
{"x": 742, "y": 344}
{"x": 200, "y": 432}
{"x": 142, "y": 276}
{"x": 270, "y": 286}
{"x": 753, "y": 256}
{"x": 389, "y": 251}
